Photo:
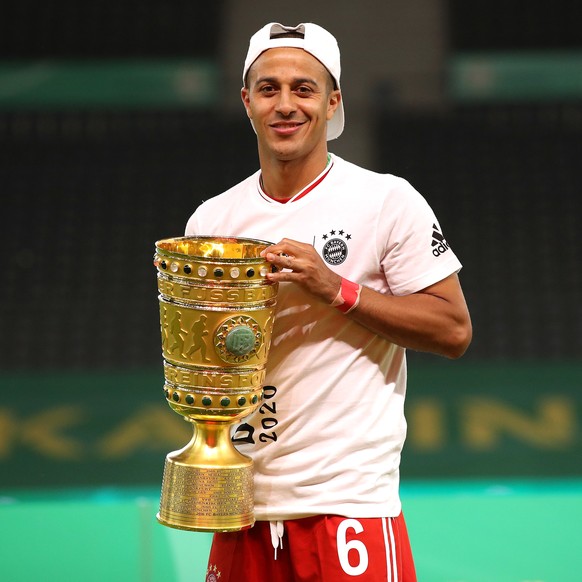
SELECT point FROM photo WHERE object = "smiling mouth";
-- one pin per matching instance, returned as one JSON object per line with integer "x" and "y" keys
{"x": 286, "y": 127}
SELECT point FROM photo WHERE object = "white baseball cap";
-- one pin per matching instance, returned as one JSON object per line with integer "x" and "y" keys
{"x": 317, "y": 42}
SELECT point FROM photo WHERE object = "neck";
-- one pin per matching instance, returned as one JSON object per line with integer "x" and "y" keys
{"x": 282, "y": 179}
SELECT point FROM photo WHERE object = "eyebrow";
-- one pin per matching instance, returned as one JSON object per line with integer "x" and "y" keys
{"x": 296, "y": 81}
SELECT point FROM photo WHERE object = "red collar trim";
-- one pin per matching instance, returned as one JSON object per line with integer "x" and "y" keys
{"x": 301, "y": 193}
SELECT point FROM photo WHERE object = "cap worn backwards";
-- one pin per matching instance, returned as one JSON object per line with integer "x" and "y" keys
{"x": 316, "y": 41}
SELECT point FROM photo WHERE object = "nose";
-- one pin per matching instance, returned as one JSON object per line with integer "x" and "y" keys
{"x": 285, "y": 103}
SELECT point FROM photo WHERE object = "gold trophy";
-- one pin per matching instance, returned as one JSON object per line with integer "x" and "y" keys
{"x": 216, "y": 316}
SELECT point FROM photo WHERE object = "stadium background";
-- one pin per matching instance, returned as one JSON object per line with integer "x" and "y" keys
{"x": 118, "y": 118}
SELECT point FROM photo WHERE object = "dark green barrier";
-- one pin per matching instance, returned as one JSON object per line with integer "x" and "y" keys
{"x": 97, "y": 84}
{"x": 86, "y": 429}
{"x": 465, "y": 420}
{"x": 491, "y": 419}
{"x": 515, "y": 76}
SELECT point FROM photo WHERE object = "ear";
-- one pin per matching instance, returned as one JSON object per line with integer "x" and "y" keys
{"x": 335, "y": 98}
{"x": 245, "y": 96}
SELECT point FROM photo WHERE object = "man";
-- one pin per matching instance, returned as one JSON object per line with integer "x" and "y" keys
{"x": 360, "y": 281}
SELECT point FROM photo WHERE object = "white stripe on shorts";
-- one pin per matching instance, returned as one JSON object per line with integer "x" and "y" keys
{"x": 390, "y": 546}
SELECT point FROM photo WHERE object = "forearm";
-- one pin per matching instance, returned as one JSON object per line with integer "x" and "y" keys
{"x": 434, "y": 319}
{"x": 421, "y": 321}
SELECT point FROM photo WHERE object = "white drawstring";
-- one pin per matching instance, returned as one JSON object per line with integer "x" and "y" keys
{"x": 277, "y": 531}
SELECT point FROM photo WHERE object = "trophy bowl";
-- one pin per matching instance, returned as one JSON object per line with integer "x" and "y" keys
{"x": 216, "y": 320}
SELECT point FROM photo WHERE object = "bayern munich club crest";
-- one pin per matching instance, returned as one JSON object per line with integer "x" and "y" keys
{"x": 335, "y": 248}
{"x": 212, "y": 574}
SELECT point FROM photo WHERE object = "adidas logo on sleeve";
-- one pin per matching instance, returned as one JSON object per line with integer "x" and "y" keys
{"x": 439, "y": 244}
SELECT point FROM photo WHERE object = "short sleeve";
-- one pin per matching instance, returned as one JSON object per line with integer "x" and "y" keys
{"x": 416, "y": 253}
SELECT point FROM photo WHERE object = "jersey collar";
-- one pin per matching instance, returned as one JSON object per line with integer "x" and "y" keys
{"x": 302, "y": 193}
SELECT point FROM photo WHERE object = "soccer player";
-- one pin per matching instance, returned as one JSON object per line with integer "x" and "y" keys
{"x": 365, "y": 273}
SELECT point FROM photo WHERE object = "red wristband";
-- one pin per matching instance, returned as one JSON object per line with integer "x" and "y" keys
{"x": 348, "y": 296}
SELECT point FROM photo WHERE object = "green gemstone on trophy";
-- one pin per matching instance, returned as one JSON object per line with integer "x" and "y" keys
{"x": 240, "y": 340}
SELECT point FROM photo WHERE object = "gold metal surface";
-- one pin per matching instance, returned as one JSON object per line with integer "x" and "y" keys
{"x": 216, "y": 320}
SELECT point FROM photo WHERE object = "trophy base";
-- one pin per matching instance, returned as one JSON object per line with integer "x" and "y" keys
{"x": 207, "y": 499}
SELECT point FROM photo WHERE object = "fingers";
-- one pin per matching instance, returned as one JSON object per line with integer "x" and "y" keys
{"x": 287, "y": 254}
{"x": 284, "y": 275}
{"x": 281, "y": 261}
{"x": 286, "y": 247}
{"x": 300, "y": 263}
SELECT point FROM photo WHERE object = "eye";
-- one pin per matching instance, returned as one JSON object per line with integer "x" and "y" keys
{"x": 303, "y": 90}
{"x": 267, "y": 89}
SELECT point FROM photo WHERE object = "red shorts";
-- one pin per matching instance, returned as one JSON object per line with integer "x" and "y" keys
{"x": 315, "y": 549}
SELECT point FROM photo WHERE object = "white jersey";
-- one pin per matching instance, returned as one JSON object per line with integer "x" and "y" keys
{"x": 328, "y": 437}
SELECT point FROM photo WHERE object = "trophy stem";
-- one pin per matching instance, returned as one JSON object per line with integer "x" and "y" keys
{"x": 207, "y": 485}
